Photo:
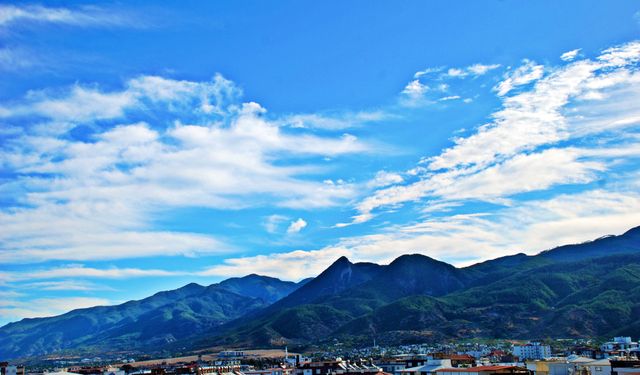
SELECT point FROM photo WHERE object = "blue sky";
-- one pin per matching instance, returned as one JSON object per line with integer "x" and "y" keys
{"x": 147, "y": 145}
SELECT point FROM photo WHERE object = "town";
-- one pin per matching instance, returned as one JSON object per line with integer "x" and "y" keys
{"x": 620, "y": 356}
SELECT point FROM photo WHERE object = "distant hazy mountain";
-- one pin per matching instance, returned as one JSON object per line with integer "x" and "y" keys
{"x": 152, "y": 322}
{"x": 582, "y": 290}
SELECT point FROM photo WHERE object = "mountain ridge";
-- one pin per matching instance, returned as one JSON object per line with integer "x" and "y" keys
{"x": 391, "y": 285}
{"x": 403, "y": 300}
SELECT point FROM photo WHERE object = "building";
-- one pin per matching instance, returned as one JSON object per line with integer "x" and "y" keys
{"x": 541, "y": 367}
{"x": 499, "y": 356}
{"x": 270, "y": 371}
{"x": 429, "y": 368}
{"x": 625, "y": 367}
{"x": 7, "y": 369}
{"x": 599, "y": 367}
{"x": 338, "y": 367}
{"x": 485, "y": 370}
{"x": 457, "y": 360}
{"x": 572, "y": 365}
{"x": 416, "y": 364}
{"x": 532, "y": 350}
{"x": 392, "y": 366}
{"x": 619, "y": 344}
{"x": 586, "y": 351}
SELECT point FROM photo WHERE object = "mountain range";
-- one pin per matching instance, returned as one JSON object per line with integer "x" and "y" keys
{"x": 583, "y": 290}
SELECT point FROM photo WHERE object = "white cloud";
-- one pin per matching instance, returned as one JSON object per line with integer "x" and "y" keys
{"x": 447, "y": 98}
{"x": 294, "y": 265}
{"x": 87, "y": 104}
{"x": 413, "y": 93}
{"x": 463, "y": 239}
{"x": 498, "y": 160}
{"x": 296, "y": 226}
{"x": 427, "y": 71}
{"x": 92, "y": 189}
{"x": 481, "y": 69}
{"x": 473, "y": 70}
{"x": 522, "y": 173}
{"x": 384, "y": 178}
{"x": 525, "y": 74}
{"x": 455, "y": 72}
{"x": 570, "y": 55}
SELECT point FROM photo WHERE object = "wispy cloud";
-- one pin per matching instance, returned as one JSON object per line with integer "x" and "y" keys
{"x": 42, "y": 307}
{"x": 12, "y": 15}
{"x": 527, "y": 73}
{"x": 429, "y": 84}
{"x": 273, "y": 222}
{"x": 65, "y": 285}
{"x": 17, "y": 54}
{"x": 486, "y": 164}
{"x": 80, "y": 271}
{"x": 336, "y": 121}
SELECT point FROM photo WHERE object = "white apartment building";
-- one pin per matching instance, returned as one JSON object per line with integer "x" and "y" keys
{"x": 532, "y": 350}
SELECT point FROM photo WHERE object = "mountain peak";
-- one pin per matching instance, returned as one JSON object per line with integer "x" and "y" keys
{"x": 413, "y": 257}
{"x": 632, "y": 232}
{"x": 417, "y": 260}
{"x": 342, "y": 260}
{"x": 269, "y": 289}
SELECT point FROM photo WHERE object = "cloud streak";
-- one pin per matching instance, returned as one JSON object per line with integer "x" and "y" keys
{"x": 12, "y": 15}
